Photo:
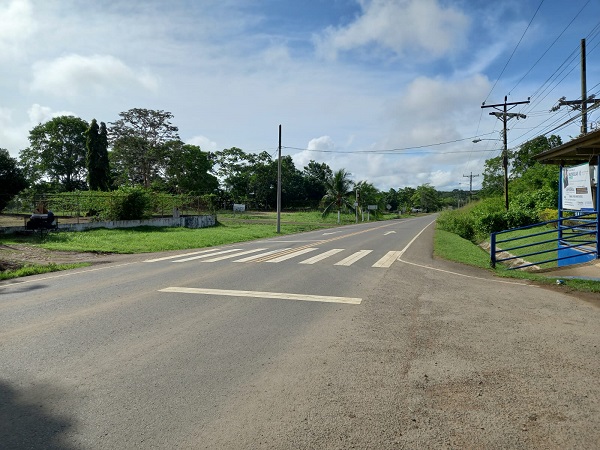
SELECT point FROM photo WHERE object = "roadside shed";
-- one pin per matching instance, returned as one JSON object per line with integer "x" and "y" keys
{"x": 579, "y": 197}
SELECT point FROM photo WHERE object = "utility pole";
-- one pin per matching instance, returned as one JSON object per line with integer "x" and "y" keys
{"x": 470, "y": 177}
{"x": 583, "y": 102}
{"x": 506, "y": 116}
{"x": 356, "y": 204}
{"x": 279, "y": 185}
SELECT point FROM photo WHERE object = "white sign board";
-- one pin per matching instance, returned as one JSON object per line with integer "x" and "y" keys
{"x": 576, "y": 188}
{"x": 372, "y": 207}
{"x": 239, "y": 207}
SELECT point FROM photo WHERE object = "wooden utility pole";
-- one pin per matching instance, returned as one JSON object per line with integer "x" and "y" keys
{"x": 470, "y": 177}
{"x": 506, "y": 116}
{"x": 585, "y": 100}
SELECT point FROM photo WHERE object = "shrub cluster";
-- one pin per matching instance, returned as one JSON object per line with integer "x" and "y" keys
{"x": 478, "y": 220}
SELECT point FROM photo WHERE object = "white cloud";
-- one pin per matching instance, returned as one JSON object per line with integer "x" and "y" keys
{"x": 435, "y": 110}
{"x": 321, "y": 143}
{"x": 74, "y": 74}
{"x": 301, "y": 159}
{"x": 14, "y": 134}
{"x": 40, "y": 114}
{"x": 400, "y": 27}
{"x": 205, "y": 144}
{"x": 17, "y": 27}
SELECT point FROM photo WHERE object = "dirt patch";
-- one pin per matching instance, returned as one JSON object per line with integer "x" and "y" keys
{"x": 15, "y": 256}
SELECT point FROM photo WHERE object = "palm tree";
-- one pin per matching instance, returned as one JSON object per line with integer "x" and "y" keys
{"x": 338, "y": 188}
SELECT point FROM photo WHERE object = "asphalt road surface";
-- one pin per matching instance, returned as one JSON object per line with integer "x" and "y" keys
{"x": 354, "y": 337}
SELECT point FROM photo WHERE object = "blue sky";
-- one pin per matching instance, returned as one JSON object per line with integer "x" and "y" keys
{"x": 390, "y": 90}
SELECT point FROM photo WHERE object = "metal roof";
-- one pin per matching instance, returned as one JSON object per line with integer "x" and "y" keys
{"x": 578, "y": 151}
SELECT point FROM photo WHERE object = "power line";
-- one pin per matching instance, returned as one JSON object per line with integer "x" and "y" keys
{"x": 392, "y": 150}
{"x": 514, "y": 51}
{"x": 551, "y": 45}
{"x": 388, "y": 152}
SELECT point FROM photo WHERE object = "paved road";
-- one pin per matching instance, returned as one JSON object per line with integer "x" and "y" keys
{"x": 341, "y": 340}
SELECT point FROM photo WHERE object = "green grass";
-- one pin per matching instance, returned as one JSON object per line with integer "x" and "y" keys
{"x": 525, "y": 238}
{"x": 299, "y": 217}
{"x": 155, "y": 239}
{"x": 36, "y": 269}
{"x": 452, "y": 247}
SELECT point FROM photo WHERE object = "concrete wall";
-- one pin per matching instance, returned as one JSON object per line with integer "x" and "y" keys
{"x": 187, "y": 222}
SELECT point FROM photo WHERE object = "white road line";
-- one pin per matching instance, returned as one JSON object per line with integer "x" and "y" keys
{"x": 292, "y": 255}
{"x": 389, "y": 232}
{"x": 322, "y": 256}
{"x": 266, "y": 295}
{"x": 448, "y": 271}
{"x": 206, "y": 256}
{"x": 297, "y": 242}
{"x": 253, "y": 257}
{"x": 164, "y": 258}
{"x": 414, "y": 239}
{"x": 234, "y": 255}
{"x": 387, "y": 260}
{"x": 353, "y": 258}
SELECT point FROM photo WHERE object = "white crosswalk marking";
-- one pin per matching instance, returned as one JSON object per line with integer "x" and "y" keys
{"x": 206, "y": 256}
{"x": 253, "y": 257}
{"x": 322, "y": 256}
{"x": 292, "y": 255}
{"x": 234, "y": 255}
{"x": 387, "y": 260}
{"x": 353, "y": 258}
{"x": 258, "y": 255}
{"x": 164, "y": 258}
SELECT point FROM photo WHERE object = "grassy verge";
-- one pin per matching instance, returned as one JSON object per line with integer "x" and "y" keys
{"x": 454, "y": 248}
{"x": 536, "y": 245}
{"x": 314, "y": 217}
{"x": 36, "y": 269}
{"x": 154, "y": 239}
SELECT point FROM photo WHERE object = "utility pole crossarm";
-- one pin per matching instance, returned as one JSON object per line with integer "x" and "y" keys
{"x": 499, "y": 115}
{"x": 470, "y": 184}
{"x": 585, "y": 100}
{"x": 590, "y": 101}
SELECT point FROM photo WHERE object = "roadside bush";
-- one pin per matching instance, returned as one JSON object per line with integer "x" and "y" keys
{"x": 548, "y": 214}
{"x": 537, "y": 200}
{"x": 520, "y": 217}
{"x": 490, "y": 222}
{"x": 458, "y": 221}
{"x": 130, "y": 203}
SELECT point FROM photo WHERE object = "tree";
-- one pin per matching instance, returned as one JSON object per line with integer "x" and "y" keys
{"x": 12, "y": 178}
{"x": 247, "y": 177}
{"x": 405, "y": 197}
{"x": 426, "y": 198}
{"x": 293, "y": 188}
{"x": 97, "y": 157}
{"x": 391, "y": 198}
{"x": 493, "y": 177}
{"x": 57, "y": 152}
{"x": 522, "y": 159}
{"x": 315, "y": 176}
{"x": 338, "y": 188}
{"x": 140, "y": 139}
{"x": 188, "y": 169}
{"x": 369, "y": 195}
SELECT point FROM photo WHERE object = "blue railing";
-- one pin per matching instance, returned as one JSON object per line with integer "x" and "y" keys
{"x": 576, "y": 237}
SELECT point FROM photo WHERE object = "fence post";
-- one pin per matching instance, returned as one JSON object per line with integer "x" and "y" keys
{"x": 493, "y": 250}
